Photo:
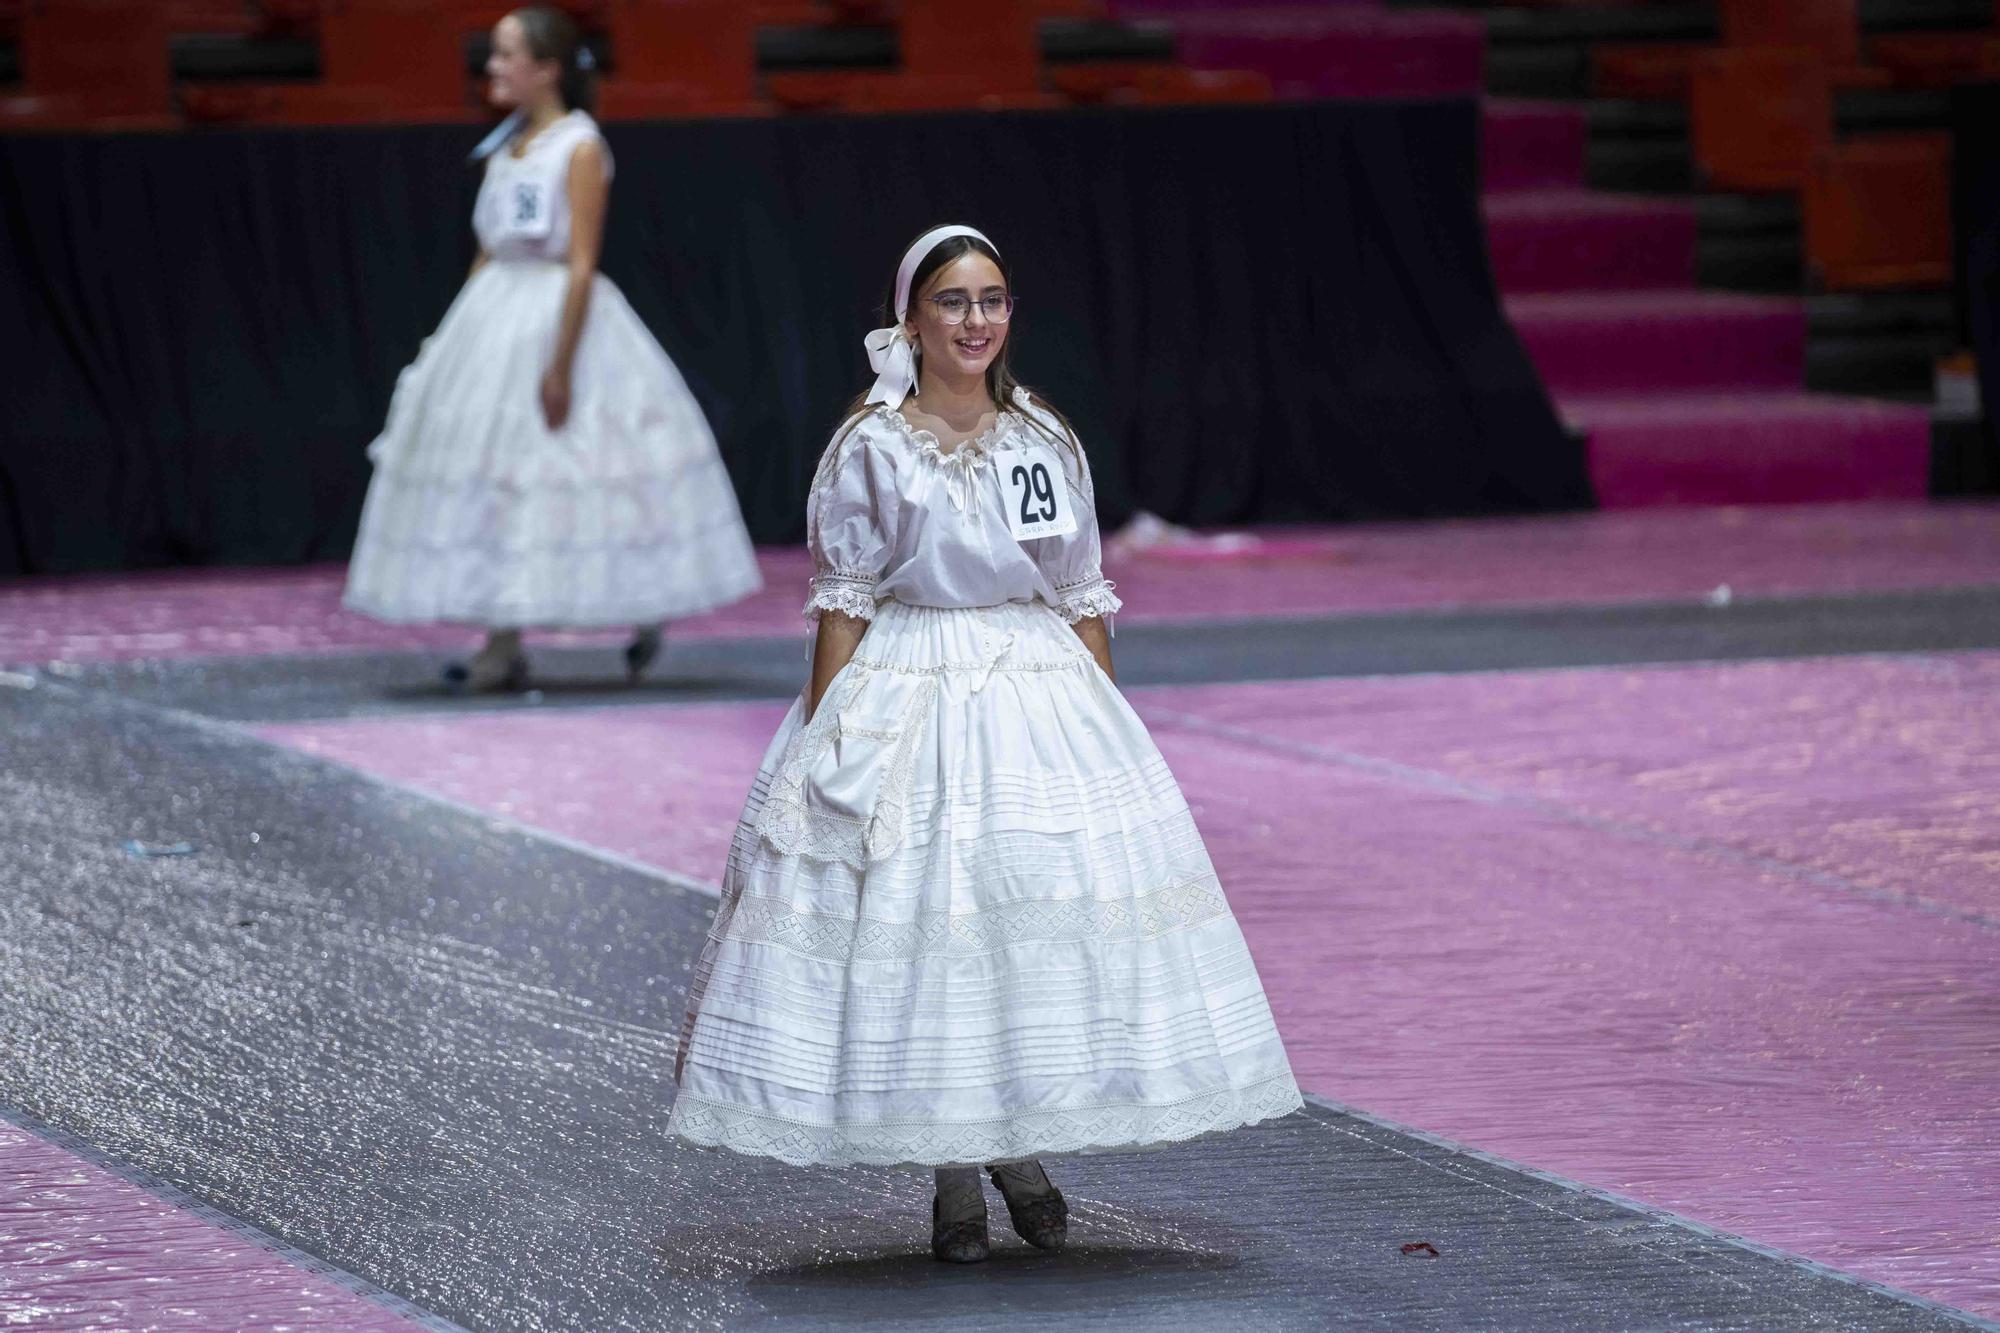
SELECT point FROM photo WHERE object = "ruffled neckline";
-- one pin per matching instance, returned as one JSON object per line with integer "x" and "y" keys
{"x": 965, "y": 452}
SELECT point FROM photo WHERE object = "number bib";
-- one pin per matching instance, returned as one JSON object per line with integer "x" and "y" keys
{"x": 1034, "y": 494}
{"x": 524, "y": 209}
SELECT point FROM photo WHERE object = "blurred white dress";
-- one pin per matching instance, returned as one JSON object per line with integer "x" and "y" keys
{"x": 478, "y": 512}
{"x": 967, "y": 916}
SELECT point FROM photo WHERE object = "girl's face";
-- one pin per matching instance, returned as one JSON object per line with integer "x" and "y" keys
{"x": 965, "y": 349}
{"x": 513, "y": 76}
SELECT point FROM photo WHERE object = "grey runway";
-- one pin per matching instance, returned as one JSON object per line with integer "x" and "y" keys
{"x": 436, "y": 1052}
{"x": 279, "y": 689}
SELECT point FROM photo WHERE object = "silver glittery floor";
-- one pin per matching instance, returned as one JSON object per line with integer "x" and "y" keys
{"x": 432, "y": 1049}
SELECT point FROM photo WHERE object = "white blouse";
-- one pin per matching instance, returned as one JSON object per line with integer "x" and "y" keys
{"x": 894, "y": 515}
{"x": 523, "y": 212}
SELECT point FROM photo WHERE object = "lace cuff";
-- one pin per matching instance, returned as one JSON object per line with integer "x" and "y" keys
{"x": 1094, "y": 596}
{"x": 849, "y": 591}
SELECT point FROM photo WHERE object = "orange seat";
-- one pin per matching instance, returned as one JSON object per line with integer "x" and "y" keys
{"x": 927, "y": 92}
{"x": 1877, "y": 214}
{"x": 791, "y": 13}
{"x": 992, "y": 43}
{"x": 816, "y": 90}
{"x": 873, "y": 93}
{"x": 1756, "y": 118}
{"x": 1130, "y": 81}
{"x": 1644, "y": 71}
{"x": 1102, "y": 80}
{"x": 94, "y": 63}
{"x": 1829, "y": 28}
{"x": 218, "y": 16}
{"x": 409, "y": 50}
{"x": 681, "y": 58}
{"x": 972, "y": 57}
{"x": 381, "y": 61}
{"x": 1937, "y": 59}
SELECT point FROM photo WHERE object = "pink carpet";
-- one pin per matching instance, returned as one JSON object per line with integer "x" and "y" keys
{"x": 1532, "y": 146}
{"x": 82, "y": 1249}
{"x": 1554, "y": 240}
{"x": 1700, "y": 935}
{"x": 1606, "y": 557}
{"x": 1712, "y": 448}
{"x": 1655, "y": 341}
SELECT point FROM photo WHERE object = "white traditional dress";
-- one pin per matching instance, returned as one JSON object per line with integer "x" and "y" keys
{"x": 478, "y": 512}
{"x": 967, "y": 916}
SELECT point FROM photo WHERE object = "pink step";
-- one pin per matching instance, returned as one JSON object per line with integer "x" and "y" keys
{"x": 1752, "y": 448}
{"x": 1570, "y": 239}
{"x": 1532, "y": 146}
{"x": 1662, "y": 341}
{"x": 1340, "y": 51}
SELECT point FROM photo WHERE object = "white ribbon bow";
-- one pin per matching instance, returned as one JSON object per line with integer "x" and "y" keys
{"x": 894, "y": 362}
{"x": 890, "y": 353}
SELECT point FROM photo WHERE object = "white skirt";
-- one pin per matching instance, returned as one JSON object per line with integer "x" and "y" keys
{"x": 479, "y": 513}
{"x": 967, "y": 917}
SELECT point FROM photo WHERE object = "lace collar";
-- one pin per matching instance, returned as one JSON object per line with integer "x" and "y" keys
{"x": 971, "y": 451}
{"x": 960, "y": 463}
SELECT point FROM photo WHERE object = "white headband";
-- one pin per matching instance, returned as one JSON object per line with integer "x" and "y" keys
{"x": 890, "y": 354}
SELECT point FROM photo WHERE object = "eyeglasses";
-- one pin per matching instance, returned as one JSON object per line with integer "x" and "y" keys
{"x": 956, "y": 307}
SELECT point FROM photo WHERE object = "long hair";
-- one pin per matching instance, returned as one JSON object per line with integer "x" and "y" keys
{"x": 552, "y": 35}
{"x": 1000, "y": 381}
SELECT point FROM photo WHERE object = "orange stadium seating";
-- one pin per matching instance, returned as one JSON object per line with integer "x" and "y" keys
{"x": 1757, "y": 117}
{"x": 1877, "y": 213}
{"x": 681, "y": 57}
{"x": 99, "y": 62}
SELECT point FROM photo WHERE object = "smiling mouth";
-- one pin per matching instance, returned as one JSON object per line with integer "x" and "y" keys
{"x": 973, "y": 346}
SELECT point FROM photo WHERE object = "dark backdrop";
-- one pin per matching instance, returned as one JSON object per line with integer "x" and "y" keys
{"x": 1975, "y": 119}
{"x": 1260, "y": 313}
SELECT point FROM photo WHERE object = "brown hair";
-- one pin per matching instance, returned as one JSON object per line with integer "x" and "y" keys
{"x": 1000, "y": 381}
{"x": 552, "y": 35}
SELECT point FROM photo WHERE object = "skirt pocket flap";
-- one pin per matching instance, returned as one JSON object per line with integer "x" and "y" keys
{"x": 842, "y": 793}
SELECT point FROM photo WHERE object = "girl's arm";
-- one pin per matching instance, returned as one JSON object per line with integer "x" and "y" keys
{"x": 589, "y": 192}
{"x": 833, "y": 647}
{"x": 1091, "y": 630}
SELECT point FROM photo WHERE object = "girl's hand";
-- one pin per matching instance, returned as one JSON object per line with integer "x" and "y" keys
{"x": 555, "y": 397}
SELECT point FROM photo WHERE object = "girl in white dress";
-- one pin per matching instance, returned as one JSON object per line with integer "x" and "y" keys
{"x": 544, "y": 464}
{"x": 967, "y": 918}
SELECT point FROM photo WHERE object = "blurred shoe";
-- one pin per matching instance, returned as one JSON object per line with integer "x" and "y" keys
{"x": 643, "y": 651}
{"x": 498, "y": 667}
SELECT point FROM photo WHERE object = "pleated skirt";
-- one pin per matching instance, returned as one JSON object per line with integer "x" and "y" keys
{"x": 478, "y": 513}
{"x": 967, "y": 917}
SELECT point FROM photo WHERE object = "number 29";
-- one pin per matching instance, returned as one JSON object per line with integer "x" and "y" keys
{"x": 1036, "y": 485}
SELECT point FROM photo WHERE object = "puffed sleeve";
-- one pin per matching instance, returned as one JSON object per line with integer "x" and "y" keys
{"x": 850, "y": 525}
{"x": 1073, "y": 563}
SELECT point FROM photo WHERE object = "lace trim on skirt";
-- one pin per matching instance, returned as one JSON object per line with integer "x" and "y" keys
{"x": 1071, "y": 1129}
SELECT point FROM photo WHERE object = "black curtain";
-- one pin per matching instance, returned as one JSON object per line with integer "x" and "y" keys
{"x": 1975, "y": 121}
{"x": 1259, "y": 313}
